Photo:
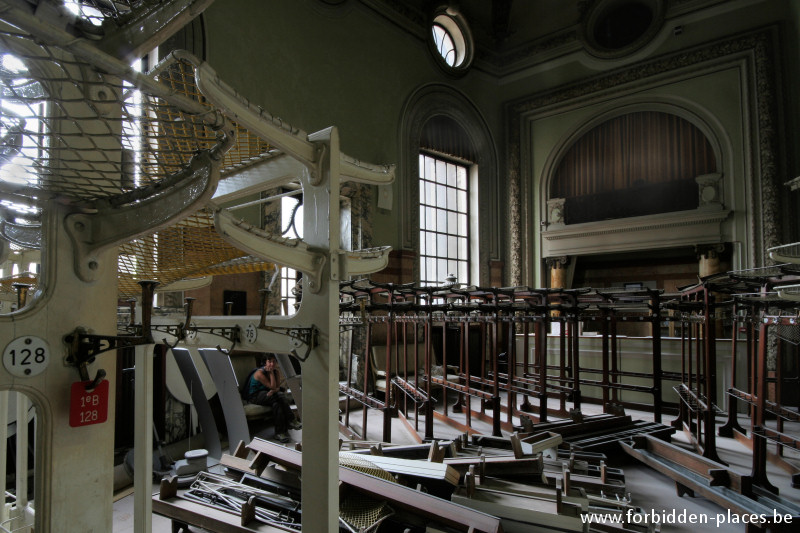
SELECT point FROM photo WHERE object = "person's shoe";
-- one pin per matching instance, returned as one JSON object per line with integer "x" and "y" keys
{"x": 295, "y": 424}
{"x": 283, "y": 437}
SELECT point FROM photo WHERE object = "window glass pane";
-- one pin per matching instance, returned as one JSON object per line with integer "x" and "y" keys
{"x": 431, "y": 240}
{"x": 451, "y": 175}
{"x": 430, "y": 218}
{"x": 441, "y": 172}
{"x": 461, "y": 177}
{"x": 462, "y": 272}
{"x": 462, "y": 201}
{"x": 441, "y": 220}
{"x": 462, "y": 224}
{"x": 452, "y": 267}
{"x": 441, "y": 195}
{"x": 452, "y": 222}
{"x": 444, "y": 44}
{"x": 441, "y": 271}
{"x": 462, "y": 248}
{"x": 452, "y": 246}
{"x": 451, "y": 199}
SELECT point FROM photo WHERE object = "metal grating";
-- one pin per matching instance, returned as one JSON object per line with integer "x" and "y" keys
{"x": 359, "y": 512}
{"x": 190, "y": 248}
{"x": 73, "y": 133}
{"x": 79, "y": 132}
{"x": 789, "y": 333}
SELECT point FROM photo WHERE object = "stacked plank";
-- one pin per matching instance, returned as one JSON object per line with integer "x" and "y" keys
{"x": 599, "y": 433}
{"x": 525, "y": 480}
{"x": 694, "y": 474}
{"x": 471, "y": 483}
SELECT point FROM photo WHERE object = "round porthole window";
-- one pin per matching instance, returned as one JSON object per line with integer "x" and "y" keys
{"x": 616, "y": 28}
{"x": 451, "y": 41}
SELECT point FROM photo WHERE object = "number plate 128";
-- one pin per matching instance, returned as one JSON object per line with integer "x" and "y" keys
{"x": 25, "y": 357}
{"x": 88, "y": 407}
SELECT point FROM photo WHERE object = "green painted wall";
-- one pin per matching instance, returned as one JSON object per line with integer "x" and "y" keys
{"x": 316, "y": 66}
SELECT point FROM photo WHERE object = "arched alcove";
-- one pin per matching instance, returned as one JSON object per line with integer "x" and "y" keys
{"x": 641, "y": 177}
{"x": 21, "y": 425}
{"x": 426, "y": 112}
{"x": 635, "y": 164}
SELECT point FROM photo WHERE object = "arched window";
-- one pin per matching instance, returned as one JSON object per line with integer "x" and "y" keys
{"x": 441, "y": 123}
{"x": 446, "y": 170}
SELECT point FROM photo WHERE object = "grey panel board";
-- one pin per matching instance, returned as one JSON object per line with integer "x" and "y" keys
{"x": 221, "y": 369}
{"x": 192, "y": 379}
{"x": 294, "y": 380}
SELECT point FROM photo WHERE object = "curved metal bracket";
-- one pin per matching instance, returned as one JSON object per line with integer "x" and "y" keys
{"x": 83, "y": 347}
{"x": 298, "y": 337}
{"x": 28, "y": 236}
{"x": 361, "y": 262}
{"x": 352, "y": 169}
{"x": 113, "y": 224}
{"x": 149, "y": 27}
{"x": 289, "y": 252}
{"x": 229, "y": 333}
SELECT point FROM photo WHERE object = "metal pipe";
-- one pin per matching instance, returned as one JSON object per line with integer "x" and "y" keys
{"x": 4, "y": 395}
{"x": 22, "y": 294}
{"x": 265, "y": 200}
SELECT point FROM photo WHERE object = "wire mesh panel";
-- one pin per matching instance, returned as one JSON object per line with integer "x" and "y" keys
{"x": 188, "y": 249}
{"x": 74, "y": 133}
{"x": 359, "y": 512}
{"x": 78, "y": 132}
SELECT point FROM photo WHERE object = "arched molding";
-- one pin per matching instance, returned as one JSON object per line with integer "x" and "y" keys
{"x": 600, "y": 9}
{"x": 699, "y": 117}
{"x": 424, "y": 103}
{"x": 42, "y": 482}
{"x": 754, "y": 56}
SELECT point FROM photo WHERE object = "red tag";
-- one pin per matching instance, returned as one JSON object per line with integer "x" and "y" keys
{"x": 88, "y": 407}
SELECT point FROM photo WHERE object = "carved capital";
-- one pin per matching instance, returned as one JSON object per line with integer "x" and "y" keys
{"x": 709, "y": 188}
{"x": 555, "y": 211}
{"x": 557, "y": 262}
{"x": 793, "y": 184}
{"x": 709, "y": 251}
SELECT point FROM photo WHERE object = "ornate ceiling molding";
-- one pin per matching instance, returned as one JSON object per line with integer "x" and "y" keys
{"x": 759, "y": 49}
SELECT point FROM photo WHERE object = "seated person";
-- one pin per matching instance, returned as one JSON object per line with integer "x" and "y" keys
{"x": 264, "y": 388}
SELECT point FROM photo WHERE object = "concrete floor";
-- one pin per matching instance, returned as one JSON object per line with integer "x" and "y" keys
{"x": 650, "y": 490}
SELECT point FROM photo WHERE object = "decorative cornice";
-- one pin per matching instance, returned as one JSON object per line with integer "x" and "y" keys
{"x": 565, "y": 41}
{"x": 404, "y": 15}
{"x": 498, "y": 60}
{"x": 757, "y": 44}
{"x": 636, "y": 224}
{"x": 641, "y": 71}
{"x": 685, "y": 228}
